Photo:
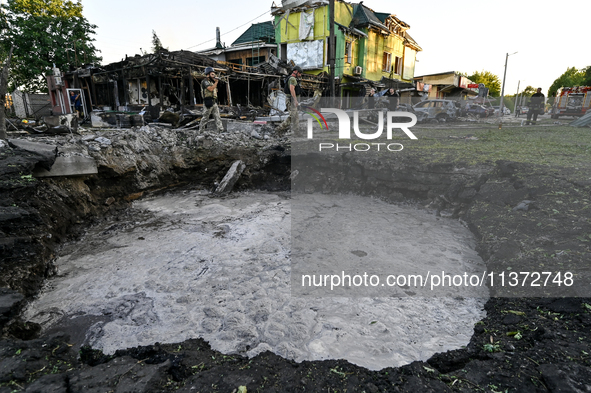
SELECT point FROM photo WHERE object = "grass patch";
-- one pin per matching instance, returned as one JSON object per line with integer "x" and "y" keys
{"x": 561, "y": 146}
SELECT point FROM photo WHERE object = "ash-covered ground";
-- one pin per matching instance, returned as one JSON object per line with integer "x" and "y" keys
{"x": 185, "y": 266}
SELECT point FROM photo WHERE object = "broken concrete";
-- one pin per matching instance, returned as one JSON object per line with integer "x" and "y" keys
{"x": 245, "y": 127}
{"x": 69, "y": 166}
{"x": 227, "y": 183}
{"x": 41, "y": 149}
{"x": 46, "y": 152}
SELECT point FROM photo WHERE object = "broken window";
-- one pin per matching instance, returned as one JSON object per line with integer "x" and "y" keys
{"x": 424, "y": 104}
{"x": 387, "y": 62}
{"x": 348, "y": 52}
{"x": 397, "y": 65}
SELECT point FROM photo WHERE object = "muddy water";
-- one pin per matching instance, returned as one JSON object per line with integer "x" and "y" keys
{"x": 187, "y": 265}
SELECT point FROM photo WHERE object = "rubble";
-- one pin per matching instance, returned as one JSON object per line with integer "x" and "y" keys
{"x": 164, "y": 87}
{"x": 227, "y": 183}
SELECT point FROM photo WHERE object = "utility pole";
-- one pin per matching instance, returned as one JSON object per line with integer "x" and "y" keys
{"x": 503, "y": 88}
{"x": 516, "y": 97}
{"x": 331, "y": 48}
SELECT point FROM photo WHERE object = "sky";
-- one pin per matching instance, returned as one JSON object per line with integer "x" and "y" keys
{"x": 456, "y": 35}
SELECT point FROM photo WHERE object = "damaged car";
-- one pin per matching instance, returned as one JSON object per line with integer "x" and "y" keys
{"x": 440, "y": 110}
{"x": 477, "y": 110}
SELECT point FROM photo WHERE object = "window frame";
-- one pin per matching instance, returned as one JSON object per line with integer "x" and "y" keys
{"x": 387, "y": 62}
{"x": 349, "y": 52}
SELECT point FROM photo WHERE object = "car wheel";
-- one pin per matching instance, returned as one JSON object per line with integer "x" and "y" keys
{"x": 442, "y": 117}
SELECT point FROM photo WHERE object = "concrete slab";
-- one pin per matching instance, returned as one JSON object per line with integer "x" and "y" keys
{"x": 227, "y": 183}
{"x": 42, "y": 149}
{"x": 69, "y": 166}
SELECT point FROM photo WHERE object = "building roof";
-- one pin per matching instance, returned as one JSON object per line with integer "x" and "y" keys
{"x": 411, "y": 42}
{"x": 439, "y": 73}
{"x": 382, "y": 16}
{"x": 351, "y": 30}
{"x": 363, "y": 16}
{"x": 257, "y": 32}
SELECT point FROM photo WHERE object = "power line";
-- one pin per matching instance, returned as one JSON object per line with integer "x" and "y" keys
{"x": 213, "y": 39}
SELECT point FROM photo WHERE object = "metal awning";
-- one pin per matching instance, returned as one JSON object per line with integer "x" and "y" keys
{"x": 396, "y": 83}
{"x": 456, "y": 89}
{"x": 351, "y": 30}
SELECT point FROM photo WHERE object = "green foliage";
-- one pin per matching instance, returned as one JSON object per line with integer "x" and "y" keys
{"x": 571, "y": 77}
{"x": 509, "y": 102}
{"x": 528, "y": 91}
{"x": 156, "y": 43}
{"x": 587, "y": 77}
{"x": 523, "y": 97}
{"x": 491, "y": 347}
{"x": 44, "y": 32}
{"x": 490, "y": 80}
{"x": 50, "y": 8}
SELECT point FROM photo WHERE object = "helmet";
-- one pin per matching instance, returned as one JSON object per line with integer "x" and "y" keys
{"x": 298, "y": 69}
{"x": 208, "y": 70}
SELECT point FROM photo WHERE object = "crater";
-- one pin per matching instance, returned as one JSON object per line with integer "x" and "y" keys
{"x": 185, "y": 265}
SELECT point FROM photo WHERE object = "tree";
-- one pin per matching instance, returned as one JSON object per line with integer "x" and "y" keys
{"x": 44, "y": 33}
{"x": 523, "y": 97}
{"x": 571, "y": 77}
{"x": 587, "y": 77}
{"x": 490, "y": 80}
{"x": 3, "y": 90}
{"x": 156, "y": 43}
{"x": 528, "y": 91}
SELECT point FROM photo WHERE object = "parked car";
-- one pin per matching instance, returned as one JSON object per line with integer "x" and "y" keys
{"x": 478, "y": 110}
{"x": 441, "y": 110}
{"x": 524, "y": 110}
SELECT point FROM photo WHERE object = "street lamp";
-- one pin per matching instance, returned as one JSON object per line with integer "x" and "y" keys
{"x": 503, "y": 88}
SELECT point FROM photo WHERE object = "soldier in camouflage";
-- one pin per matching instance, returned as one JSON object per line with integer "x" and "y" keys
{"x": 209, "y": 90}
{"x": 292, "y": 89}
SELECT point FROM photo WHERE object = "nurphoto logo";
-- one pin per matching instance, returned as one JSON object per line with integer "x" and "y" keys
{"x": 394, "y": 120}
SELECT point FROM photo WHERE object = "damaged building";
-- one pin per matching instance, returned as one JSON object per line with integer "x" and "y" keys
{"x": 141, "y": 88}
{"x": 449, "y": 84}
{"x": 372, "y": 49}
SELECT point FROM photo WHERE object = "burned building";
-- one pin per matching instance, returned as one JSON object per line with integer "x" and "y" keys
{"x": 155, "y": 82}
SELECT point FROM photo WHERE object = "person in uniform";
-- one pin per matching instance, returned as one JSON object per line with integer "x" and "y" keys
{"x": 209, "y": 90}
{"x": 292, "y": 89}
{"x": 536, "y": 105}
